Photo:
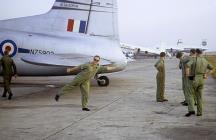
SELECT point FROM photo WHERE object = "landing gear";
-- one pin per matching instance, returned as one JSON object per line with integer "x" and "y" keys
{"x": 103, "y": 81}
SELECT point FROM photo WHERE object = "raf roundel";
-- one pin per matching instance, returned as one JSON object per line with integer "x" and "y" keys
{"x": 9, "y": 45}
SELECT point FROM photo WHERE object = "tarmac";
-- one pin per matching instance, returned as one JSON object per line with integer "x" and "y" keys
{"x": 125, "y": 110}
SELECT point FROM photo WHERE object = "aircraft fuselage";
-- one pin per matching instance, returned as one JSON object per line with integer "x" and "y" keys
{"x": 24, "y": 43}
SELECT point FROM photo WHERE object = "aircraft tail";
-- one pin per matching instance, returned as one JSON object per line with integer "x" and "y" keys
{"x": 179, "y": 42}
{"x": 92, "y": 17}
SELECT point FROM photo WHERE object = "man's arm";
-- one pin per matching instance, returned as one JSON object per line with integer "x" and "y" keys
{"x": 103, "y": 69}
{"x": 14, "y": 69}
{"x": 180, "y": 65}
{"x": 71, "y": 70}
{"x": 209, "y": 71}
{"x": 187, "y": 67}
{"x": 187, "y": 71}
{"x": 110, "y": 68}
{"x": 157, "y": 65}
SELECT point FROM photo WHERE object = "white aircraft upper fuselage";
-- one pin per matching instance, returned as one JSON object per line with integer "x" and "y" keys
{"x": 150, "y": 51}
{"x": 45, "y": 45}
{"x": 186, "y": 48}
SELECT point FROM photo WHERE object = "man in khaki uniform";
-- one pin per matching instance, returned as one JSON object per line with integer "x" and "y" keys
{"x": 199, "y": 68}
{"x": 186, "y": 83}
{"x": 8, "y": 70}
{"x": 160, "y": 78}
{"x": 82, "y": 79}
{"x": 183, "y": 60}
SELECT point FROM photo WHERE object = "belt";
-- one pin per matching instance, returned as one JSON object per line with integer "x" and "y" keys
{"x": 200, "y": 74}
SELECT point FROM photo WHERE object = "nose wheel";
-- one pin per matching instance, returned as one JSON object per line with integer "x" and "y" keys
{"x": 103, "y": 81}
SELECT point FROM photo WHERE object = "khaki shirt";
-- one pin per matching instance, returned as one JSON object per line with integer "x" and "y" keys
{"x": 159, "y": 65}
{"x": 199, "y": 65}
{"x": 89, "y": 70}
{"x": 8, "y": 66}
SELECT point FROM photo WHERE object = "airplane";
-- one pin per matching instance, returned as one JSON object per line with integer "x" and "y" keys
{"x": 180, "y": 46}
{"x": 70, "y": 34}
{"x": 127, "y": 51}
{"x": 133, "y": 50}
{"x": 171, "y": 50}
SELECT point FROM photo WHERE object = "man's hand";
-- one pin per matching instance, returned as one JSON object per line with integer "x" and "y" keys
{"x": 68, "y": 70}
{"x": 187, "y": 71}
{"x": 205, "y": 76}
{"x": 110, "y": 68}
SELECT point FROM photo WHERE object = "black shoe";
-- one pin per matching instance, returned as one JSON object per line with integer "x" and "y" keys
{"x": 160, "y": 100}
{"x": 199, "y": 114}
{"x": 10, "y": 96}
{"x": 57, "y": 98}
{"x": 85, "y": 109}
{"x": 185, "y": 104}
{"x": 4, "y": 95}
{"x": 165, "y": 100}
{"x": 190, "y": 113}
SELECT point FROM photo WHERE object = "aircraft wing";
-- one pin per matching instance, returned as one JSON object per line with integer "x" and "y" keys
{"x": 67, "y": 60}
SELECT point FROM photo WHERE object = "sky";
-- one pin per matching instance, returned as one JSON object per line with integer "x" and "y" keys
{"x": 145, "y": 22}
{"x": 148, "y": 22}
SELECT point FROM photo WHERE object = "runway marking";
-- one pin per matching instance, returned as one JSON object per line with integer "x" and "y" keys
{"x": 105, "y": 106}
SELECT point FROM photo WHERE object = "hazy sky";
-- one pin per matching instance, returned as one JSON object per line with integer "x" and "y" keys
{"x": 146, "y": 22}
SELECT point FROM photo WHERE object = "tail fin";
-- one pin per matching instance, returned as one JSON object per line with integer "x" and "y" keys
{"x": 179, "y": 42}
{"x": 93, "y": 17}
